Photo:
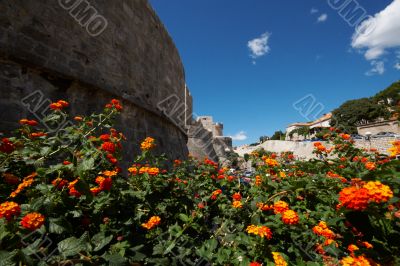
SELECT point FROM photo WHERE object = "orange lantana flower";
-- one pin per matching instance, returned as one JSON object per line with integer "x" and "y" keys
{"x": 27, "y": 182}
{"x": 290, "y": 217}
{"x": 378, "y": 192}
{"x": 237, "y": 204}
{"x": 32, "y": 221}
{"x": 370, "y": 166}
{"x": 278, "y": 259}
{"x": 147, "y": 144}
{"x": 237, "y": 196}
{"x": 261, "y": 231}
{"x": 215, "y": 194}
{"x": 9, "y": 209}
{"x": 152, "y": 222}
{"x": 280, "y": 207}
{"x": 355, "y": 261}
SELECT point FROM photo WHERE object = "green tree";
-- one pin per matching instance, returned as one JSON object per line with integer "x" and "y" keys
{"x": 390, "y": 96}
{"x": 277, "y": 135}
{"x": 301, "y": 131}
{"x": 352, "y": 112}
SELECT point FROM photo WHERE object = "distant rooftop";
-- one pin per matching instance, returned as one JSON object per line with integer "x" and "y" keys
{"x": 323, "y": 118}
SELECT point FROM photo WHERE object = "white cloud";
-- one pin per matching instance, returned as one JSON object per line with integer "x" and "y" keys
{"x": 314, "y": 10}
{"x": 379, "y": 33}
{"x": 322, "y": 18}
{"x": 239, "y": 136}
{"x": 378, "y": 68}
{"x": 259, "y": 46}
{"x": 397, "y": 66}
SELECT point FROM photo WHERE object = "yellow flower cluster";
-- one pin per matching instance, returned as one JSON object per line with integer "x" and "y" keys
{"x": 261, "y": 231}
{"x": 28, "y": 181}
{"x": 278, "y": 259}
{"x": 271, "y": 162}
{"x": 395, "y": 149}
{"x": 355, "y": 261}
{"x": 147, "y": 144}
{"x": 237, "y": 204}
{"x": 149, "y": 170}
{"x": 378, "y": 192}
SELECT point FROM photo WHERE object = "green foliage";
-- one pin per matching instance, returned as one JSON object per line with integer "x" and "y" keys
{"x": 300, "y": 131}
{"x": 193, "y": 200}
{"x": 354, "y": 111}
{"x": 390, "y": 96}
{"x": 278, "y": 135}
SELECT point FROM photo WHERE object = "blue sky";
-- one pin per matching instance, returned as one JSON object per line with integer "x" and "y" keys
{"x": 301, "y": 48}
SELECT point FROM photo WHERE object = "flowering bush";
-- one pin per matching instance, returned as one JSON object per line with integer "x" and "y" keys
{"x": 65, "y": 200}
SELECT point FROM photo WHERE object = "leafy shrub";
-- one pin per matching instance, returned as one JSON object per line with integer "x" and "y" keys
{"x": 65, "y": 201}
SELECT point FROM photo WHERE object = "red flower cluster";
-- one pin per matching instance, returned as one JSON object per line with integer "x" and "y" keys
{"x": 32, "y": 221}
{"x": 7, "y": 146}
{"x": 37, "y": 135}
{"x": 59, "y": 105}
{"x": 215, "y": 194}
{"x": 59, "y": 183}
{"x": 108, "y": 147}
{"x": 210, "y": 163}
{"x": 114, "y": 104}
{"x": 104, "y": 184}
{"x": 28, "y": 122}
{"x": 72, "y": 189}
{"x": 9, "y": 209}
{"x": 237, "y": 196}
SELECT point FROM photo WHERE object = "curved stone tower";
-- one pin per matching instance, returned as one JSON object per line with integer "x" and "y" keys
{"x": 88, "y": 52}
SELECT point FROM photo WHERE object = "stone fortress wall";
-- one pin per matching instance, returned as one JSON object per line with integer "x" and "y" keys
{"x": 45, "y": 46}
{"x": 206, "y": 140}
{"x": 303, "y": 150}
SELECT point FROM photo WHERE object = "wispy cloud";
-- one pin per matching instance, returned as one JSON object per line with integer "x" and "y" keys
{"x": 259, "y": 46}
{"x": 379, "y": 33}
{"x": 314, "y": 10}
{"x": 397, "y": 65}
{"x": 378, "y": 68}
{"x": 240, "y": 136}
{"x": 322, "y": 18}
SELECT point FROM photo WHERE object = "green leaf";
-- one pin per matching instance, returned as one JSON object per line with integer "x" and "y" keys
{"x": 115, "y": 259}
{"x": 3, "y": 230}
{"x": 72, "y": 246}
{"x": 100, "y": 241}
{"x": 6, "y": 258}
{"x": 56, "y": 226}
{"x": 86, "y": 165}
{"x": 183, "y": 217}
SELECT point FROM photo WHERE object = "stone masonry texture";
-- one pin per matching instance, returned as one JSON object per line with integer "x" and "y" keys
{"x": 43, "y": 47}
